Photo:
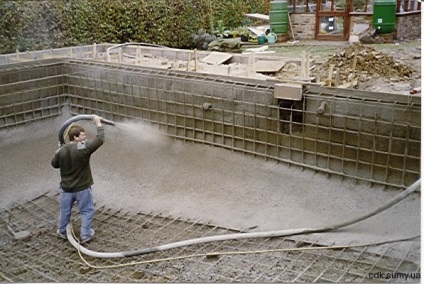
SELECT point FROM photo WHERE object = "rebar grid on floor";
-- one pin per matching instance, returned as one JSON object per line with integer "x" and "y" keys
{"x": 44, "y": 257}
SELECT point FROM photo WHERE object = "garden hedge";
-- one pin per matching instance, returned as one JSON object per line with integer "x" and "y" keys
{"x": 34, "y": 25}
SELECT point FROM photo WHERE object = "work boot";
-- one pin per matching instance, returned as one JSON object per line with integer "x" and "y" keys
{"x": 92, "y": 234}
{"x": 60, "y": 235}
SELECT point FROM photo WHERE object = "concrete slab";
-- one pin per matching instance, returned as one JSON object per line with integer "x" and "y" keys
{"x": 288, "y": 91}
{"x": 359, "y": 28}
{"x": 216, "y": 58}
{"x": 267, "y": 66}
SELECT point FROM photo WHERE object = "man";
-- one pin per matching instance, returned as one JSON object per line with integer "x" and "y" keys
{"x": 73, "y": 160}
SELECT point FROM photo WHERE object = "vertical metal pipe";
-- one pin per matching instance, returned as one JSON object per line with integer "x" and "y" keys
{"x": 374, "y": 146}
{"x": 254, "y": 129}
{"x": 343, "y": 158}
{"x": 329, "y": 138}
{"x": 389, "y": 150}
{"x": 405, "y": 155}
{"x": 358, "y": 146}
{"x": 233, "y": 125}
{"x": 317, "y": 118}
{"x": 185, "y": 116}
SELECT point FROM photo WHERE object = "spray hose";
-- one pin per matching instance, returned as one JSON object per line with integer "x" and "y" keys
{"x": 279, "y": 233}
{"x": 67, "y": 123}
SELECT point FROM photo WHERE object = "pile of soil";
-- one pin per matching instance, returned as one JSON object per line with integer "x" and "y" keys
{"x": 370, "y": 64}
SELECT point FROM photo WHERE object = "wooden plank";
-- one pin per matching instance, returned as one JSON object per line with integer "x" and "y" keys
{"x": 265, "y": 66}
{"x": 258, "y": 16}
{"x": 216, "y": 58}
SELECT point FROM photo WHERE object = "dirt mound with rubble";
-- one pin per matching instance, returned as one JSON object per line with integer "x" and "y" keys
{"x": 362, "y": 63}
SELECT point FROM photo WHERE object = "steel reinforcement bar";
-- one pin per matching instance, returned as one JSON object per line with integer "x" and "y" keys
{"x": 360, "y": 135}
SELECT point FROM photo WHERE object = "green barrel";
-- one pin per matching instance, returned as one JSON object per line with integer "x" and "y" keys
{"x": 278, "y": 16}
{"x": 384, "y": 16}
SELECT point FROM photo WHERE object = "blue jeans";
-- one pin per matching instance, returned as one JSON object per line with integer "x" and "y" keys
{"x": 86, "y": 209}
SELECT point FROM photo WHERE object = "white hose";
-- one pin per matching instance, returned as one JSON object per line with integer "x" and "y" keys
{"x": 280, "y": 233}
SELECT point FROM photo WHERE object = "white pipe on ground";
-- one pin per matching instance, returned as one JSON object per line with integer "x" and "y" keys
{"x": 279, "y": 233}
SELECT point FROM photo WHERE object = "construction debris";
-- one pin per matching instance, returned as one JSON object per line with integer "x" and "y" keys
{"x": 361, "y": 63}
{"x": 370, "y": 36}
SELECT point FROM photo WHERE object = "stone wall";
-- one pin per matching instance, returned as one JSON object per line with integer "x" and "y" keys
{"x": 303, "y": 26}
{"x": 360, "y": 19}
{"x": 408, "y": 25}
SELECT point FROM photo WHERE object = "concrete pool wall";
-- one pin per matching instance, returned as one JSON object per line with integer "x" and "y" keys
{"x": 366, "y": 136}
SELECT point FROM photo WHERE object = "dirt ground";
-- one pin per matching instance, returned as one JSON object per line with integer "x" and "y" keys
{"x": 406, "y": 54}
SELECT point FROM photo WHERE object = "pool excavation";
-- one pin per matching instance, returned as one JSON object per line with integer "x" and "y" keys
{"x": 213, "y": 178}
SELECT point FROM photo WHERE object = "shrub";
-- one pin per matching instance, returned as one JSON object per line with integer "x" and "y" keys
{"x": 33, "y": 25}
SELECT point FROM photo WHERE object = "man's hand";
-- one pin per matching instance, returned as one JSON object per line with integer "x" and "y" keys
{"x": 97, "y": 120}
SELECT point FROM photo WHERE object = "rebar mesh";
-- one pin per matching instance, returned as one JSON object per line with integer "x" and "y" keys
{"x": 361, "y": 135}
{"x": 46, "y": 258}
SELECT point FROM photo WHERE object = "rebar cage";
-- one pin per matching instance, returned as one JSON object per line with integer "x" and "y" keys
{"x": 366, "y": 136}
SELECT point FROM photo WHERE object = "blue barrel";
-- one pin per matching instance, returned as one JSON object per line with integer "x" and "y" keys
{"x": 278, "y": 16}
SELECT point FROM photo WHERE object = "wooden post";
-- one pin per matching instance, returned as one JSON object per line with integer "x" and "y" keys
{"x": 354, "y": 62}
{"x": 138, "y": 56}
{"x": 195, "y": 60}
{"x": 353, "y": 70}
{"x": 189, "y": 55}
{"x": 120, "y": 55}
{"x": 330, "y": 74}
{"x": 337, "y": 82}
{"x": 17, "y": 53}
{"x": 253, "y": 69}
{"x": 249, "y": 66}
{"x": 307, "y": 65}
{"x": 94, "y": 51}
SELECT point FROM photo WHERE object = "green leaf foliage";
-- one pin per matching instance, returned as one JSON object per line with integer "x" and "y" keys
{"x": 34, "y": 25}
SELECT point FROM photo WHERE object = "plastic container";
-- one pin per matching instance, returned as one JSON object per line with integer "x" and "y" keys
{"x": 384, "y": 16}
{"x": 261, "y": 39}
{"x": 271, "y": 38}
{"x": 278, "y": 16}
